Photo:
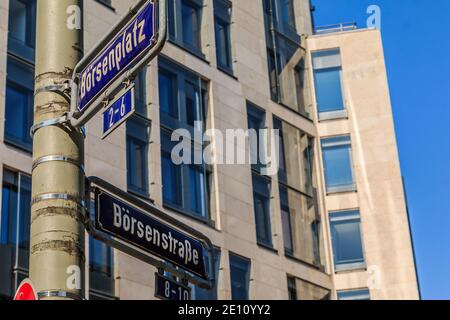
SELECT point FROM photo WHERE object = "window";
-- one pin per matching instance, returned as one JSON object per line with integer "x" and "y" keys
{"x": 183, "y": 105}
{"x": 185, "y": 21}
{"x": 22, "y": 28}
{"x": 309, "y": 291}
{"x": 138, "y": 136}
{"x": 256, "y": 119}
{"x": 286, "y": 59}
{"x": 261, "y": 184}
{"x": 299, "y": 215}
{"x": 292, "y": 288}
{"x": 287, "y": 14}
{"x": 261, "y": 200}
{"x": 222, "y": 25}
{"x": 362, "y": 294}
{"x": 203, "y": 294}
{"x": 20, "y": 69}
{"x": 328, "y": 84}
{"x": 347, "y": 244}
{"x": 240, "y": 277}
{"x": 101, "y": 271}
{"x": 338, "y": 165}
{"x": 15, "y": 231}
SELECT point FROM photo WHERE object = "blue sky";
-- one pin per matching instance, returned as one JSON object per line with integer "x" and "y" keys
{"x": 417, "y": 49}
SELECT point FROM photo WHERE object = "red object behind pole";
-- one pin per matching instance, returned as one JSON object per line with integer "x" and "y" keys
{"x": 26, "y": 292}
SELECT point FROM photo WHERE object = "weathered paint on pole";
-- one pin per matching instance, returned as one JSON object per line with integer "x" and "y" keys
{"x": 57, "y": 233}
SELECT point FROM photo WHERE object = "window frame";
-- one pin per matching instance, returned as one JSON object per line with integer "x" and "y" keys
{"x": 333, "y": 114}
{"x": 284, "y": 186}
{"x": 20, "y": 260}
{"x": 346, "y": 216}
{"x": 176, "y": 32}
{"x": 354, "y": 294}
{"x": 181, "y": 79}
{"x": 343, "y": 188}
{"x": 267, "y": 223}
{"x": 97, "y": 274}
{"x": 139, "y": 119}
{"x": 225, "y": 20}
{"x": 22, "y": 55}
{"x": 278, "y": 41}
{"x": 248, "y": 270}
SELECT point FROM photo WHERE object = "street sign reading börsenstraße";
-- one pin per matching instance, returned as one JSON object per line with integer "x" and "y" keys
{"x": 137, "y": 228}
{"x": 128, "y": 47}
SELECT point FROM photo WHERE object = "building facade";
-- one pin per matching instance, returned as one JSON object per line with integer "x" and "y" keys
{"x": 332, "y": 223}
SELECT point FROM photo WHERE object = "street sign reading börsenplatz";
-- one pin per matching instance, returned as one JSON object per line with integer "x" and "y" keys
{"x": 111, "y": 65}
{"x": 137, "y": 228}
{"x": 137, "y": 37}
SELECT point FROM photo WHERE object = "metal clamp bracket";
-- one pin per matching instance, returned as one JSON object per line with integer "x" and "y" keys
{"x": 47, "y": 123}
{"x": 63, "y": 89}
{"x": 59, "y": 196}
{"x": 56, "y": 158}
{"x": 60, "y": 294}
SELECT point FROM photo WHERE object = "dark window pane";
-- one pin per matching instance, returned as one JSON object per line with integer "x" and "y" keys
{"x": 190, "y": 16}
{"x": 338, "y": 166}
{"x": 22, "y": 21}
{"x": 203, "y": 294}
{"x": 261, "y": 198}
{"x": 172, "y": 18}
{"x": 167, "y": 95}
{"x": 329, "y": 90}
{"x": 192, "y": 104}
{"x": 240, "y": 277}
{"x": 100, "y": 256}
{"x": 137, "y": 156}
{"x": 196, "y": 189}
{"x": 287, "y": 13}
{"x": 347, "y": 243}
{"x": 15, "y": 230}
{"x": 286, "y": 221}
{"x": 19, "y": 104}
{"x": 184, "y": 186}
{"x": 101, "y": 271}
{"x": 171, "y": 173}
{"x": 222, "y": 12}
{"x": 363, "y": 294}
{"x": 256, "y": 122}
{"x": 292, "y": 288}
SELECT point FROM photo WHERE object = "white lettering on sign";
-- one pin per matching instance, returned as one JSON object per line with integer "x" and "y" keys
{"x": 166, "y": 241}
{"x": 130, "y": 40}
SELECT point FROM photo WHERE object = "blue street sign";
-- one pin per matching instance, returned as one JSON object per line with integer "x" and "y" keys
{"x": 122, "y": 53}
{"x": 118, "y": 112}
{"x": 169, "y": 289}
{"x": 142, "y": 230}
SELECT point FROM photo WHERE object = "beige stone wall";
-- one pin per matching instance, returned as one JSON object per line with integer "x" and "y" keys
{"x": 233, "y": 215}
{"x": 379, "y": 196}
{"x": 233, "y": 205}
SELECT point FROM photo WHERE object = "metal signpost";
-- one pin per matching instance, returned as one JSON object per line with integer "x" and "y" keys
{"x": 147, "y": 233}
